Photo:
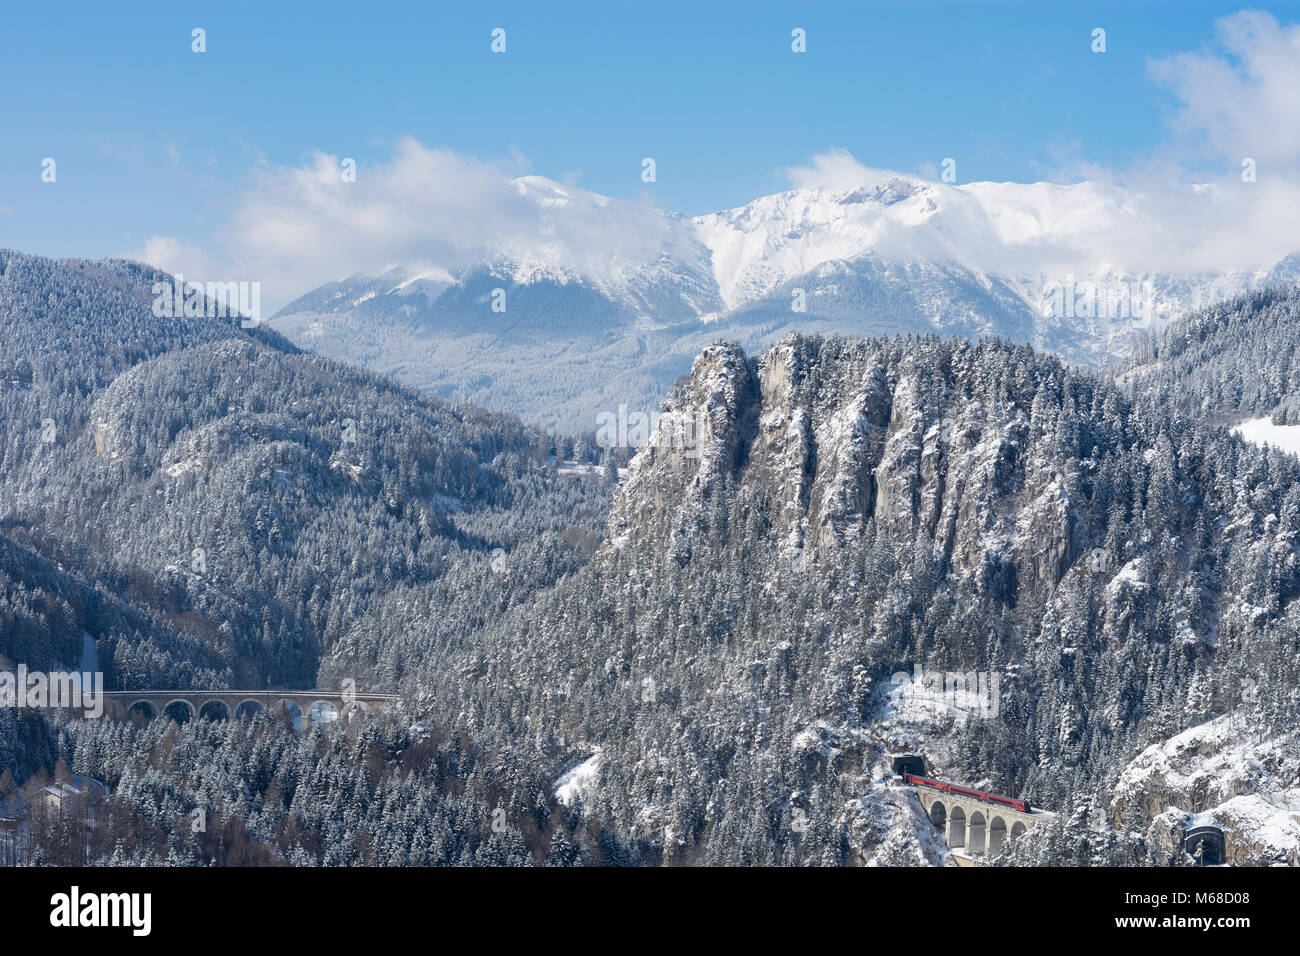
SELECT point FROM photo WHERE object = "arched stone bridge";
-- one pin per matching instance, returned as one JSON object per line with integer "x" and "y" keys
{"x": 976, "y": 824}
{"x": 316, "y": 706}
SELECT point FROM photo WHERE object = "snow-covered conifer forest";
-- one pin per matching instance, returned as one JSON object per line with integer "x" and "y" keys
{"x": 695, "y": 662}
{"x": 677, "y": 435}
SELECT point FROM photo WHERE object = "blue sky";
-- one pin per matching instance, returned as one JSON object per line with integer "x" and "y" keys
{"x": 152, "y": 139}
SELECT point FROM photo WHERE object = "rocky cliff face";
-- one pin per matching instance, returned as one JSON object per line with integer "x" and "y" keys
{"x": 699, "y": 442}
{"x": 1220, "y": 774}
{"x": 831, "y": 438}
{"x": 965, "y": 507}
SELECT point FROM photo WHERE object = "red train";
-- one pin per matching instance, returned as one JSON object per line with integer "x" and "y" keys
{"x": 1021, "y": 805}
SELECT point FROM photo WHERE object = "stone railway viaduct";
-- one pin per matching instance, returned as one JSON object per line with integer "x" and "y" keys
{"x": 302, "y": 705}
{"x": 975, "y": 824}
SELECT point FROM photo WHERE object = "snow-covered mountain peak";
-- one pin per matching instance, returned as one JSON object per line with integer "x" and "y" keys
{"x": 1065, "y": 268}
{"x": 897, "y": 229}
{"x": 761, "y": 245}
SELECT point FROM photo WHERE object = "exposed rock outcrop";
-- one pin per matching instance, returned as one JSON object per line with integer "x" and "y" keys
{"x": 829, "y": 436}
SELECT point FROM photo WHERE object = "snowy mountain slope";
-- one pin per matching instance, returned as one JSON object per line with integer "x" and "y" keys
{"x": 1262, "y": 431}
{"x": 1234, "y": 363}
{"x": 1218, "y": 773}
{"x": 831, "y": 445}
{"x": 852, "y": 508}
{"x": 193, "y": 433}
{"x": 780, "y": 237}
{"x": 620, "y": 296}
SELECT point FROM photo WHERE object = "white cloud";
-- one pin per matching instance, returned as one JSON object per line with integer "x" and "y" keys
{"x": 836, "y": 170}
{"x": 294, "y": 228}
{"x": 1244, "y": 98}
{"x": 426, "y": 207}
{"x": 171, "y": 255}
{"x": 1184, "y": 208}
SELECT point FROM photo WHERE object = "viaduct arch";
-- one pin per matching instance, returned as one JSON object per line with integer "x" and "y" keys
{"x": 976, "y": 825}
{"x": 305, "y": 707}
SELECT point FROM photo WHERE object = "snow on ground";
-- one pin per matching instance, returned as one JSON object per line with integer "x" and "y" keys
{"x": 927, "y": 698}
{"x": 1262, "y": 431}
{"x": 578, "y": 468}
{"x": 1276, "y": 831}
{"x": 1221, "y": 773}
{"x": 1133, "y": 576}
{"x": 1206, "y": 766}
{"x": 579, "y": 780}
{"x": 181, "y": 467}
{"x": 1195, "y": 756}
{"x": 891, "y": 821}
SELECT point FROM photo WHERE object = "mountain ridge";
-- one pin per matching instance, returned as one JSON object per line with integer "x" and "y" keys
{"x": 624, "y": 295}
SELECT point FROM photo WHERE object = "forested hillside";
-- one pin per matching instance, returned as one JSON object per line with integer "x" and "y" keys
{"x": 1234, "y": 360}
{"x": 712, "y": 685}
{"x": 858, "y": 507}
{"x": 255, "y": 502}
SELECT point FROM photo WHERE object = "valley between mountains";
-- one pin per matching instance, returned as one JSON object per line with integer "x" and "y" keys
{"x": 692, "y": 662}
